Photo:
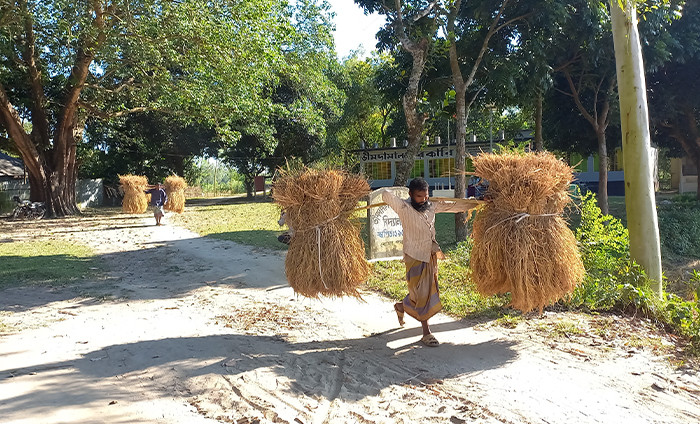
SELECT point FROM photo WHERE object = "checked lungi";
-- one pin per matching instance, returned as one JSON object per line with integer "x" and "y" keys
{"x": 423, "y": 299}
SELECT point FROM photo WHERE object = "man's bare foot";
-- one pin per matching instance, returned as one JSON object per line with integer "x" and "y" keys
{"x": 398, "y": 307}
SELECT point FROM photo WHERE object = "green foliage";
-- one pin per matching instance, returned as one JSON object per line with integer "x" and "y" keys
{"x": 599, "y": 235}
{"x": 613, "y": 283}
{"x": 679, "y": 223}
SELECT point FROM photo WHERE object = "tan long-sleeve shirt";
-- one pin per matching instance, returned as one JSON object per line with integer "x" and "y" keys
{"x": 418, "y": 227}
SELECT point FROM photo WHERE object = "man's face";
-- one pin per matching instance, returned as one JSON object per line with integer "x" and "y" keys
{"x": 419, "y": 199}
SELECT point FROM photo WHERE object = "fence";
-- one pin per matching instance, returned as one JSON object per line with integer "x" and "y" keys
{"x": 89, "y": 193}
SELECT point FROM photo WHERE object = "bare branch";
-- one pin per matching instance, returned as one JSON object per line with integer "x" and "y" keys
{"x": 40, "y": 120}
{"x": 118, "y": 89}
{"x": 492, "y": 30}
{"x": 577, "y": 100}
{"x": 563, "y": 92}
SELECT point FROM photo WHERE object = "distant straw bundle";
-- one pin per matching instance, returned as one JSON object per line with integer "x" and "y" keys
{"x": 522, "y": 244}
{"x": 135, "y": 200}
{"x": 326, "y": 254}
{"x": 175, "y": 189}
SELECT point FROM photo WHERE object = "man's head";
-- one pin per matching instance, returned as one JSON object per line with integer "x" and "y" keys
{"x": 418, "y": 191}
{"x": 159, "y": 185}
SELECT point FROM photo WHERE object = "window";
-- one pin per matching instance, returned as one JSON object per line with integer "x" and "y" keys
{"x": 578, "y": 162}
{"x": 616, "y": 160}
{"x": 378, "y": 170}
{"x": 438, "y": 168}
{"x": 468, "y": 165}
{"x": 418, "y": 169}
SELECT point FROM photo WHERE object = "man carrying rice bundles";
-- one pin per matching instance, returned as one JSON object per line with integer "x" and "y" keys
{"x": 421, "y": 252}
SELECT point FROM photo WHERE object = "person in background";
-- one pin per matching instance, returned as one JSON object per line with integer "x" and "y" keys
{"x": 158, "y": 199}
{"x": 285, "y": 237}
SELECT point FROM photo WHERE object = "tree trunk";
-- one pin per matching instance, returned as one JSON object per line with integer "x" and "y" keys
{"x": 642, "y": 223}
{"x": 539, "y": 146}
{"x": 248, "y": 183}
{"x": 414, "y": 119}
{"x": 602, "y": 172}
{"x": 461, "y": 232}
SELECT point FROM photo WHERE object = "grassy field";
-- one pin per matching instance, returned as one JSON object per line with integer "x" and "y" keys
{"x": 255, "y": 223}
{"x": 248, "y": 222}
{"x": 44, "y": 262}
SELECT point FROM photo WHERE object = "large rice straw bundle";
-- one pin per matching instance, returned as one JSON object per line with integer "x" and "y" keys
{"x": 522, "y": 244}
{"x": 135, "y": 200}
{"x": 175, "y": 189}
{"x": 326, "y": 254}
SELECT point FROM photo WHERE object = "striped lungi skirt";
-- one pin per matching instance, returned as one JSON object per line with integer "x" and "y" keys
{"x": 423, "y": 300}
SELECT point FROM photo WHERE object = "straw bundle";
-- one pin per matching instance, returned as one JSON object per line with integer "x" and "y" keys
{"x": 135, "y": 200}
{"x": 522, "y": 244}
{"x": 326, "y": 254}
{"x": 175, "y": 189}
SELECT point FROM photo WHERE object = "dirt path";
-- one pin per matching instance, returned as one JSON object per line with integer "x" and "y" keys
{"x": 184, "y": 329}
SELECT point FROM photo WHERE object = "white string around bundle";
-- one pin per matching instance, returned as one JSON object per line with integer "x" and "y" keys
{"x": 519, "y": 217}
{"x": 317, "y": 227}
{"x": 318, "y": 243}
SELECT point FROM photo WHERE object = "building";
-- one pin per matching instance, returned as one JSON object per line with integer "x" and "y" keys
{"x": 684, "y": 175}
{"x": 11, "y": 168}
{"x": 435, "y": 163}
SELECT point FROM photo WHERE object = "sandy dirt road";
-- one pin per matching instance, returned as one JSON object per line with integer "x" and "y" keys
{"x": 184, "y": 329}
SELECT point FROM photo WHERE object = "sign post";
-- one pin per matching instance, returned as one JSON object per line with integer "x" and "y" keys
{"x": 385, "y": 231}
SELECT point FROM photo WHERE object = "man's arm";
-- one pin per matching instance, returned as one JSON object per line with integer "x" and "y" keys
{"x": 455, "y": 205}
{"x": 392, "y": 200}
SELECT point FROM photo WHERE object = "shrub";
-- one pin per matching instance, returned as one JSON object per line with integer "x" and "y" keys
{"x": 614, "y": 282}
{"x": 679, "y": 223}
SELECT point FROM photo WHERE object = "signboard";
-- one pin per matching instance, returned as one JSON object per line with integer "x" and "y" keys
{"x": 385, "y": 230}
{"x": 399, "y": 153}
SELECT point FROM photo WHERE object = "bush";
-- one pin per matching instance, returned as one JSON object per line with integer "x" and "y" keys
{"x": 604, "y": 246}
{"x": 679, "y": 223}
{"x": 614, "y": 283}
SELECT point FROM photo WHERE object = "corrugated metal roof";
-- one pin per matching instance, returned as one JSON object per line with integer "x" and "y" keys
{"x": 11, "y": 167}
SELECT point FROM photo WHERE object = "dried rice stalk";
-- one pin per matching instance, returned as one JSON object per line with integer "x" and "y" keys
{"x": 522, "y": 245}
{"x": 326, "y": 255}
{"x": 135, "y": 200}
{"x": 175, "y": 189}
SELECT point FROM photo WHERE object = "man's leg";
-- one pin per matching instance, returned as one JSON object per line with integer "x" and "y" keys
{"x": 398, "y": 307}
{"x": 426, "y": 329}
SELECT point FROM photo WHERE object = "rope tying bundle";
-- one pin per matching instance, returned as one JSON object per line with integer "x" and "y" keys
{"x": 317, "y": 227}
{"x": 519, "y": 217}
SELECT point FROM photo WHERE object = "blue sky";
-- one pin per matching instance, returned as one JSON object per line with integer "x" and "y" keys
{"x": 353, "y": 28}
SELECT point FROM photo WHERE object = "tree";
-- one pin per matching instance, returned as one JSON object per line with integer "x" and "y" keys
{"x": 366, "y": 113}
{"x": 414, "y": 24}
{"x": 153, "y": 144}
{"x": 468, "y": 41}
{"x": 62, "y": 62}
{"x": 585, "y": 59}
{"x": 640, "y": 201}
{"x": 300, "y": 101}
{"x": 674, "y": 105}
{"x": 249, "y": 156}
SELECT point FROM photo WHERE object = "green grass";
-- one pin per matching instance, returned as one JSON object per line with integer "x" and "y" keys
{"x": 44, "y": 262}
{"x": 457, "y": 292}
{"x": 253, "y": 223}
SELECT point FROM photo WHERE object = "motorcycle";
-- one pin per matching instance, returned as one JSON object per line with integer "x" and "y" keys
{"x": 28, "y": 210}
